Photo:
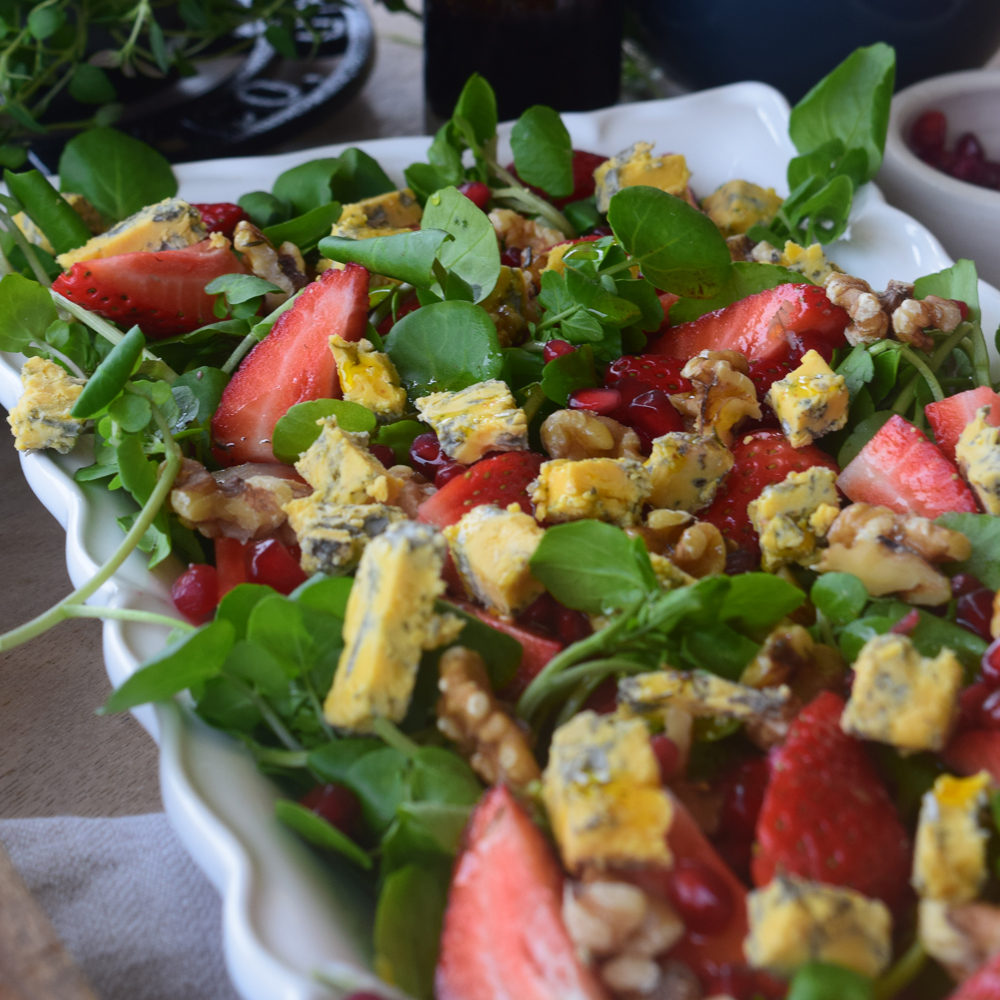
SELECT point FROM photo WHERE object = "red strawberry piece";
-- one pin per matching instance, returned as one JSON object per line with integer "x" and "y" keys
{"x": 497, "y": 479}
{"x": 761, "y": 458}
{"x": 291, "y": 365}
{"x": 222, "y": 217}
{"x": 826, "y": 814}
{"x": 164, "y": 293}
{"x": 584, "y": 165}
{"x": 230, "y": 563}
{"x": 900, "y": 469}
{"x": 636, "y": 374}
{"x": 503, "y": 933}
{"x": 764, "y": 374}
{"x": 984, "y": 985}
{"x": 949, "y": 417}
{"x": 974, "y": 751}
{"x": 767, "y": 326}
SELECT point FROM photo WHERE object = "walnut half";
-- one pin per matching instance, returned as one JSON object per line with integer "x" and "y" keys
{"x": 722, "y": 394}
{"x": 580, "y": 434}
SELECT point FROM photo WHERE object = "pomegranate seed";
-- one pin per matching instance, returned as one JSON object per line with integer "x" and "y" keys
{"x": 426, "y": 455}
{"x": 907, "y": 623}
{"x": 963, "y": 308}
{"x": 741, "y": 561}
{"x": 541, "y": 615}
{"x": 477, "y": 192}
{"x": 556, "y": 349}
{"x": 652, "y": 415}
{"x": 743, "y": 788}
{"x": 600, "y": 401}
{"x": 667, "y": 756}
{"x": 975, "y": 612}
{"x": 337, "y": 804}
{"x": 269, "y": 562}
{"x": 384, "y": 454}
{"x": 969, "y": 147}
{"x": 447, "y": 472}
{"x": 989, "y": 711}
{"x": 964, "y": 583}
{"x": 702, "y": 899}
{"x": 511, "y": 257}
{"x": 604, "y": 698}
{"x": 928, "y": 132}
{"x": 970, "y": 705}
{"x": 196, "y": 592}
{"x": 572, "y": 626}
{"x": 965, "y": 168}
{"x": 991, "y": 664}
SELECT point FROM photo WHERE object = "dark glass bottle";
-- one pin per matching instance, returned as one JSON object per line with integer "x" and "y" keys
{"x": 564, "y": 53}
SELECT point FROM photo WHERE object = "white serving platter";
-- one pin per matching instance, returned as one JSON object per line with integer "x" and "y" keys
{"x": 286, "y": 913}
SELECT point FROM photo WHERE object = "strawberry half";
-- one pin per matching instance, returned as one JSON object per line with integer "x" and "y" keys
{"x": 633, "y": 374}
{"x": 291, "y": 365}
{"x": 761, "y": 458}
{"x": 767, "y": 326}
{"x": 164, "y": 293}
{"x": 984, "y": 985}
{"x": 503, "y": 932}
{"x": 826, "y": 814}
{"x": 498, "y": 479}
{"x": 900, "y": 469}
{"x": 221, "y": 217}
{"x": 949, "y": 417}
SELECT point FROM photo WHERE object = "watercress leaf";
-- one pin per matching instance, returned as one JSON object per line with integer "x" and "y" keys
{"x": 264, "y": 209}
{"x": 543, "y": 152}
{"x": 117, "y": 174}
{"x": 720, "y": 650}
{"x": 333, "y": 761}
{"x": 886, "y": 367}
{"x": 240, "y": 287}
{"x": 840, "y": 596}
{"x": 756, "y": 601}
{"x": 207, "y": 385}
{"x": 554, "y": 296}
{"x": 820, "y": 162}
{"x": 48, "y": 209}
{"x": 500, "y": 652}
{"x": 43, "y": 22}
{"x": 423, "y": 180}
{"x": 602, "y": 304}
{"x": 132, "y": 413}
{"x": 932, "y": 634}
{"x": 826, "y": 981}
{"x": 228, "y": 706}
{"x": 306, "y": 186}
{"x": 679, "y": 249}
{"x": 379, "y": 781}
{"x": 473, "y": 254}
{"x": 357, "y": 177}
{"x": 236, "y": 605}
{"x": 983, "y": 531}
{"x": 744, "y": 279}
{"x": 589, "y": 566}
{"x": 282, "y": 40}
{"x": 254, "y": 665}
{"x": 319, "y": 831}
{"x": 826, "y": 212}
{"x": 477, "y": 104}
{"x": 855, "y": 634}
{"x": 399, "y": 436}
{"x": 407, "y": 929}
{"x": 523, "y": 367}
{"x": 580, "y": 327}
{"x": 445, "y": 346}
{"x": 111, "y": 375}
{"x": 960, "y": 281}
{"x": 306, "y": 230}
{"x": 443, "y": 823}
{"x": 858, "y": 368}
{"x": 27, "y": 310}
{"x": 277, "y": 625}
{"x": 324, "y": 593}
{"x": 861, "y": 435}
{"x": 191, "y": 659}
{"x": 440, "y": 775}
{"x": 643, "y": 295}
{"x": 297, "y": 429}
{"x": 850, "y": 104}
{"x": 406, "y": 257}
{"x": 445, "y": 155}
{"x": 567, "y": 373}
{"x": 583, "y": 215}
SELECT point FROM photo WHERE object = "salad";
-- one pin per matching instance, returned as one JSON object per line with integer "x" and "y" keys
{"x": 605, "y": 576}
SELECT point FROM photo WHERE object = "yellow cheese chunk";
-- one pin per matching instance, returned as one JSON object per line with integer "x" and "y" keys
{"x": 607, "y": 489}
{"x": 810, "y": 401}
{"x": 41, "y": 418}
{"x": 737, "y": 205}
{"x": 636, "y": 165}
{"x": 978, "y": 457}
{"x": 686, "y": 470}
{"x": 383, "y": 215}
{"x": 368, "y": 377}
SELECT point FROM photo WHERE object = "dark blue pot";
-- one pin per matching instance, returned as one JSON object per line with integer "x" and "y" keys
{"x": 791, "y": 44}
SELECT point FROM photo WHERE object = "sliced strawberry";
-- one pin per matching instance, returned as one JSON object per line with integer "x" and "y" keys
{"x": 764, "y": 374}
{"x": 761, "y": 458}
{"x": 767, "y": 326}
{"x": 949, "y": 417}
{"x": 973, "y": 751}
{"x": 634, "y": 374}
{"x": 230, "y": 563}
{"x": 503, "y": 932}
{"x": 291, "y": 365}
{"x": 163, "y": 292}
{"x": 900, "y": 469}
{"x": 984, "y": 985}
{"x": 497, "y": 479}
{"x": 826, "y": 814}
{"x": 221, "y": 217}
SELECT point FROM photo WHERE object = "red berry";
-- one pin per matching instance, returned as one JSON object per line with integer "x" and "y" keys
{"x": 269, "y": 562}
{"x": 970, "y": 705}
{"x": 964, "y": 583}
{"x": 221, "y": 217}
{"x": 741, "y": 561}
{"x": 426, "y": 455}
{"x": 653, "y": 415}
{"x": 968, "y": 146}
{"x": 604, "y": 699}
{"x": 634, "y": 374}
{"x": 447, "y": 472}
{"x": 541, "y": 614}
{"x": 668, "y": 756}
{"x": 975, "y": 612}
{"x": 743, "y": 788}
{"x": 907, "y": 623}
{"x": 702, "y": 899}
{"x": 384, "y": 454}
{"x": 511, "y": 257}
{"x": 477, "y": 192}
{"x": 556, "y": 349}
{"x": 991, "y": 664}
{"x": 196, "y": 592}
{"x": 337, "y": 804}
{"x": 600, "y": 401}
{"x": 989, "y": 711}
{"x": 572, "y": 626}
{"x": 928, "y": 132}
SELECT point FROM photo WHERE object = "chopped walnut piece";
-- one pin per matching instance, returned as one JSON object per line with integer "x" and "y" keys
{"x": 912, "y": 317}
{"x": 244, "y": 502}
{"x": 415, "y": 490}
{"x": 787, "y": 649}
{"x": 961, "y": 937}
{"x": 694, "y": 547}
{"x": 895, "y": 294}
{"x": 892, "y": 553}
{"x": 869, "y": 321}
{"x": 740, "y": 247}
{"x": 722, "y": 394}
{"x": 283, "y": 267}
{"x": 469, "y": 715}
{"x": 517, "y": 232}
{"x": 580, "y": 434}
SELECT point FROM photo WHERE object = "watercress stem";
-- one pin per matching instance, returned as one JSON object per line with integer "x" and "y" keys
{"x": 58, "y": 612}
{"x": 585, "y": 678}
{"x": 317, "y": 707}
{"x": 59, "y": 356}
{"x": 905, "y": 398}
{"x": 281, "y": 758}
{"x": 902, "y": 973}
{"x": 126, "y": 615}
{"x": 523, "y": 198}
{"x": 922, "y": 367}
{"x": 244, "y": 346}
{"x": 10, "y": 226}
{"x": 980, "y": 356}
{"x": 392, "y": 736}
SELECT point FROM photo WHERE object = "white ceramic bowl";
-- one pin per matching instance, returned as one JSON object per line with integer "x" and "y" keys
{"x": 966, "y": 218}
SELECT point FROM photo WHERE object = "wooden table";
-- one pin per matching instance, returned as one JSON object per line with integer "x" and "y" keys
{"x": 56, "y": 756}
